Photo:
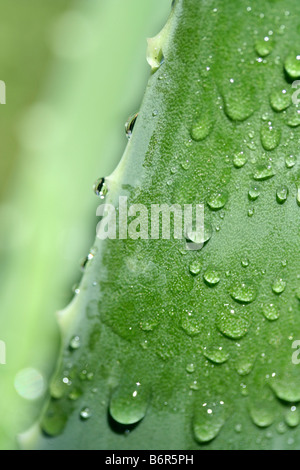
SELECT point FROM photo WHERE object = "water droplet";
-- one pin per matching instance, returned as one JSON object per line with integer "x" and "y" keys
{"x": 253, "y": 193}
{"x": 290, "y": 161}
{"x": 212, "y": 276}
{"x": 280, "y": 100}
{"x": 75, "y": 394}
{"x": 298, "y": 195}
{"x": 239, "y": 160}
{"x": 292, "y": 417}
{"x": 201, "y": 128}
{"x": 84, "y": 263}
{"x": 74, "y": 342}
{"x": 282, "y": 194}
{"x": 85, "y": 414}
{"x": 216, "y": 354}
{"x": 245, "y": 262}
{"x": 270, "y": 312}
{"x": 250, "y": 212}
{"x": 286, "y": 389}
{"x": 263, "y": 47}
{"x": 292, "y": 65}
{"x": 190, "y": 368}
{"x": 208, "y": 421}
{"x": 270, "y": 136}
{"x": 264, "y": 172}
{"x": 262, "y": 414}
{"x": 129, "y": 125}
{"x": 190, "y": 324}
{"x": 129, "y": 404}
{"x": 278, "y": 286}
{"x": 243, "y": 292}
{"x": 244, "y": 367}
{"x": 239, "y": 101}
{"x": 232, "y": 324}
{"x": 54, "y": 419}
{"x": 217, "y": 200}
{"x": 100, "y": 188}
{"x": 199, "y": 238}
{"x": 195, "y": 267}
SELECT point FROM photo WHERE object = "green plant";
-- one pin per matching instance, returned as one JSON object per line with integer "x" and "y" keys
{"x": 168, "y": 348}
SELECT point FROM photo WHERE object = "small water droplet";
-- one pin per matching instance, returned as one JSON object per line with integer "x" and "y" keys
{"x": 74, "y": 342}
{"x": 263, "y": 47}
{"x": 270, "y": 136}
{"x": 232, "y": 324}
{"x": 212, "y": 276}
{"x": 100, "y": 188}
{"x": 216, "y": 354}
{"x": 85, "y": 414}
{"x": 129, "y": 125}
{"x": 195, "y": 267}
{"x": 292, "y": 65}
{"x": 190, "y": 324}
{"x": 262, "y": 414}
{"x": 217, "y": 200}
{"x": 239, "y": 160}
{"x": 245, "y": 262}
{"x": 280, "y": 100}
{"x": 292, "y": 417}
{"x": 201, "y": 128}
{"x": 270, "y": 312}
{"x": 190, "y": 368}
{"x": 278, "y": 286}
{"x": 253, "y": 193}
{"x": 282, "y": 194}
{"x": 290, "y": 161}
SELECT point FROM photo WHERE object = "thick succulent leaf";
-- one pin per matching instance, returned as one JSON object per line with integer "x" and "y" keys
{"x": 166, "y": 347}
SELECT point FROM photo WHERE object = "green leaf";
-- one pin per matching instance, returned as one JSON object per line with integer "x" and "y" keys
{"x": 170, "y": 348}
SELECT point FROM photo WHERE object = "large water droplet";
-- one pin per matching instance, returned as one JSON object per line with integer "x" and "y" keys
{"x": 243, "y": 292}
{"x": 239, "y": 101}
{"x": 208, "y": 421}
{"x": 216, "y": 354}
{"x": 232, "y": 324}
{"x": 129, "y": 404}
{"x": 262, "y": 414}
{"x": 264, "y": 172}
{"x": 270, "y": 136}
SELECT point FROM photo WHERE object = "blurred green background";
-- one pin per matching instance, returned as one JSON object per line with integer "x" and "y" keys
{"x": 74, "y": 71}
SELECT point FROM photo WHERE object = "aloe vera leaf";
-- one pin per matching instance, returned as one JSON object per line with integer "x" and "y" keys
{"x": 164, "y": 358}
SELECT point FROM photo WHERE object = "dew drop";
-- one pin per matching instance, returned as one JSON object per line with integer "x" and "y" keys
{"x": 129, "y": 404}
{"x": 195, "y": 267}
{"x": 278, "y": 286}
{"x": 292, "y": 417}
{"x": 282, "y": 194}
{"x": 74, "y": 343}
{"x": 231, "y": 324}
{"x": 243, "y": 292}
{"x": 280, "y": 100}
{"x": 290, "y": 161}
{"x": 202, "y": 128}
{"x": 253, "y": 193}
{"x": 239, "y": 160}
{"x": 85, "y": 414}
{"x": 270, "y": 312}
{"x": 208, "y": 421}
{"x": 263, "y": 47}
{"x": 292, "y": 65}
{"x": 129, "y": 125}
{"x": 217, "y": 200}
{"x": 212, "y": 276}
{"x": 270, "y": 137}
{"x": 216, "y": 354}
{"x": 263, "y": 172}
{"x": 100, "y": 188}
